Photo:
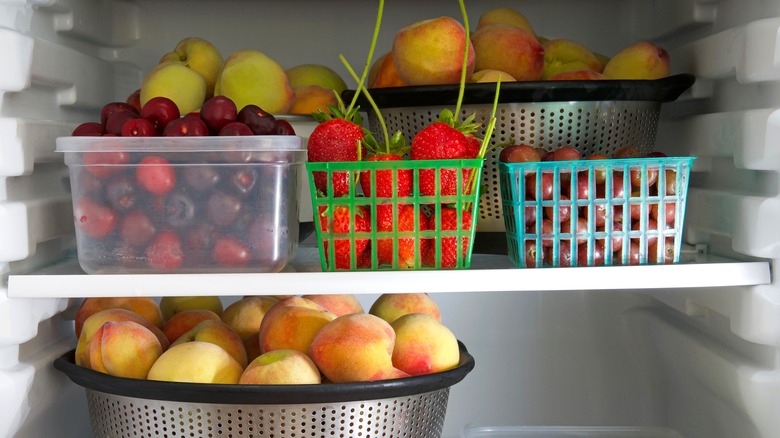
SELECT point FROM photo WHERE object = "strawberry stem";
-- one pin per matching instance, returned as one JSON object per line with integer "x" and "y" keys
{"x": 465, "y": 59}
{"x": 372, "y": 102}
{"x": 370, "y": 57}
{"x": 472, "y": 182}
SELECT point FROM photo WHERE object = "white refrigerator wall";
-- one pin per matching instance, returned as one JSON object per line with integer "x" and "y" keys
{"x": 702, "y": 362}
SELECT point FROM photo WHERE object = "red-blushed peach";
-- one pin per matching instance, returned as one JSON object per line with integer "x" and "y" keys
{"x": 291, "y": 324}
{"x": 490, "y": 75}
{"x": 219, "y": 333}
{"x": 281, "y": 367}
{"x": 563, "y": 55}
{"x": 577, "y": 75}
{"x": 510, "y": 49}
{"x": 431, "y": 52}
{"x": 185, "y": 320}
{"x": 384, "y": 73}
{"x": 357, "y": 347}
{"x": 423, "y": 345}
{"x": 124, "y": 349}
{"x": 392, "y": 306}
{"x": 94, "y": 322}
{"x": 339, "y": 304}
{"x": 245, "y": 315}
{"x": 312, "y": 98}
{"x": 252, "y": 347}
{"x": 144, "y": 306}
{"x": 196, "y": 362}
{"x": 642, "y": 60}
{"x": 173, "y": 305}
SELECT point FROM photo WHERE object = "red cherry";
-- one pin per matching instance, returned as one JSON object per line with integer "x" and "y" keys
{"x": 186, "y": 127}
{"x": 115, "y": 107}
{"x": 217, "y": 112}
{"x": 134, "y": 99}
{"x": 104, "y": 164}
{"x": 160, "y": 111}
{"x": 231, "y": 252}
{"x": 138, "y": 128}
{"x": 94, "y": 219}
{"x": 117, "y": 120}
{"x": 136, "y": 228}
{"x": 236, "y": 128}
{"x": 165, "y": 251}
{"x": 91, "y": 129}
{"x": 259, "y": 121}
{"x": 283, "y": 127}
{"x": 156, "y": 175}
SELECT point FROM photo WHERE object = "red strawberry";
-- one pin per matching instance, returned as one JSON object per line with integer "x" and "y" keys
{"x": 341, "y": 221}
{"x": 386, "y": 187}
{"x": 449, "y": 245}
{"x": 444, "y": 140}
{"x": 338, "y": 137}
{"x": 403, "y": 221}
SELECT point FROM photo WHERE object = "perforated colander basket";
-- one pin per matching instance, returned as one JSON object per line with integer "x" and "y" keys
{"x": 594, "y": 116}
{"x": 409, "y": 407}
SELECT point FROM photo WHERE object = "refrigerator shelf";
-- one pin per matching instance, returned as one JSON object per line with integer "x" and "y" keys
{"x": 488, "y": 273}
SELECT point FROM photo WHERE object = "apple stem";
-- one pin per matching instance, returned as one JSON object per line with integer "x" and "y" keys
{"x": 370, "y": 57}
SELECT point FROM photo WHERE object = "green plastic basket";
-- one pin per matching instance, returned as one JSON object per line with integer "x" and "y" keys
{"x": 638, "y": 226}
{"x": 373, "y": 240}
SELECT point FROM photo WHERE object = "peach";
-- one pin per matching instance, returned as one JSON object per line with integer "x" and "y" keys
{"x": 94, "y": 322}
{"x": 323, "y": 76}
{"x": 430, "y": 52}
{"x": 490, "y": 75}
{"x": 219, "y": 333}
{"x": 423, "y": 345}
{"x": 562, "y": 55}
{"x": 384, "y": 73}
{"x": 144, "y": 306}
{"x": 124, "y": 349}
{"x": 288, "y": 326}
{"x": 311, "y": 98}
{"x": 510, "y": 49}
{"x": 196, "y": 362}
{"x": 642, "y": 60}
{"x": 506, "y": 16}
{"x": 357, "y": 347}
{"x": 393, "y": 306}
{"x": 173, "y": 305}
{"x": 245, "y": 315}
{"x": 252, "y": 77}
{"x": 252, "y": 347}
{"x": 577, "y": 75}
{"x": 281, "y": 367}
{"x": 339, "y": 304}
{"x": 184, "y": 321}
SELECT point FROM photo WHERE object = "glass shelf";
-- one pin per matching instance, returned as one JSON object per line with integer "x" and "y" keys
{"x": 488, "y": 273}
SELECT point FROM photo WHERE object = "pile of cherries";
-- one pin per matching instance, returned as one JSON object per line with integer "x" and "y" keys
{"x": 166, "y": 210}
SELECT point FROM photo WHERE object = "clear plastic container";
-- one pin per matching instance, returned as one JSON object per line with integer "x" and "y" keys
{"x": 184, "y": 204}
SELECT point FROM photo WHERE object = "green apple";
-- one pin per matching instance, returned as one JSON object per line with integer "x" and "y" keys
{"x": 174, "y": 80}
{"x": 201, "y": 56}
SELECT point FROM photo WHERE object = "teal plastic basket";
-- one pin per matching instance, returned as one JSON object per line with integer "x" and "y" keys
{"x": 594, "y": 212}
{"x": 379, "y": 244}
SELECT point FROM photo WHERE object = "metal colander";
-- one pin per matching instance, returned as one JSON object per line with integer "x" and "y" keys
{"x": 594, "y": 116}
{"x": 409, "y": 407}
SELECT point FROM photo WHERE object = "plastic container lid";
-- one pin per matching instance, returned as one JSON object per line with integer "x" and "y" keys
{"x": 259, "y": 143}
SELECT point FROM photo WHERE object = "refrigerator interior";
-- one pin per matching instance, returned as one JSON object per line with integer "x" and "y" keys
{"x": 692, "y": 352}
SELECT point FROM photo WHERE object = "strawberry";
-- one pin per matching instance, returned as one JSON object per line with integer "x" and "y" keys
{"x": 449, "y": 245}
{"x": 444, "y": 139}
{"x": 404, "y": 221}
{"x": 338, "y": 137}
{"x": 389, "y": 182}
{"x": 339, "y": 220}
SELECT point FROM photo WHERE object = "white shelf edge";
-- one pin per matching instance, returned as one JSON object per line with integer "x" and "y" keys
{"x": 66, "y": 281}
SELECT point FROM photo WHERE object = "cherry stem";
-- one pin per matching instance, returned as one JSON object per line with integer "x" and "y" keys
{"x": 370, "y": 57}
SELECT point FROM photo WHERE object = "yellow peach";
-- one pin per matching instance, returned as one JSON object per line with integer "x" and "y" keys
{"x": 219, "y": 333}
{"x": 384, "y": 73}
{"x": 357, "y": 347}
{"x": 430, "y": 52}
{"x": 577, "y": 75}
{"x": 292, "y": 327}
{"x": 339, "y": 304}
{"x": 304, "y": 75}
{"x": 94, "y": 322}
{"x": 506, "y": 16}
{"x": 510, "y": 49}
{"x": 392, "y": 306}
{"x": 196, "y": 362}
{"x": 642, "y": 60}
{"x": 491, "y": 75}
{"x": 281, "y": 367}
{"x": 423, "y": 345}
{"x": 144, "y": 306}
{"x": 124, "y": 349}
{"x": 245, "y": 315}
{"x": 185, "y": 320}
{"x": 562, "y": 55}
{"x": 312, "y": 98}
{"x": 173, "y": 305}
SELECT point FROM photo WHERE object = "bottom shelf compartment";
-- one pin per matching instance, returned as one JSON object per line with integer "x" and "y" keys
{"x": 567, "y": 432}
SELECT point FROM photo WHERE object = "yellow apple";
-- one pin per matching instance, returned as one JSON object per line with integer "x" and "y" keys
{"x": 252, "y": 77}
{"x": 281, "y": 367}
{"x": 196, "y": 362}
{"x": 199, "y": 55}
{"x": 323, "y": 76}
{"x": 174, "y": 80}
